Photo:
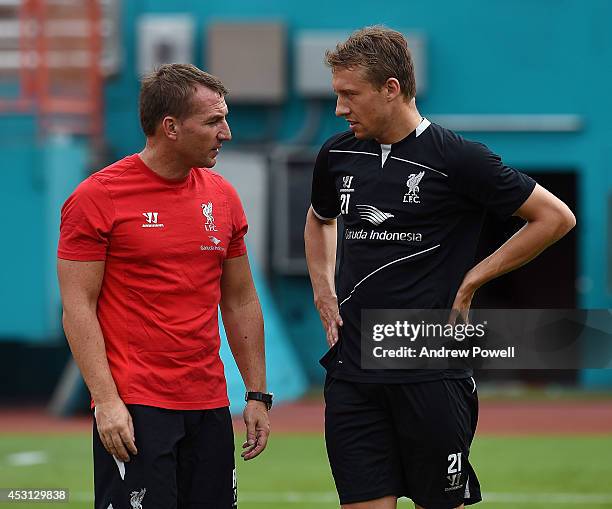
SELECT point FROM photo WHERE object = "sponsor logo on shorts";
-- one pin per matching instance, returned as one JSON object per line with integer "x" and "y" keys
{"x": 454, "y": 482}
{"x": 454, "y": 472}
{"x": 235, "y": 488}
{"x": 136, "y": 498}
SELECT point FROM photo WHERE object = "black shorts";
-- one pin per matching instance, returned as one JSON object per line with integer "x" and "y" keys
{"x": 409, "y": 440}
{"x": 185, "y": 460}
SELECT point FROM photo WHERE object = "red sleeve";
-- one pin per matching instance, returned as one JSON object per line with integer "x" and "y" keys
{"x": 87, "y": 220}
{"x": 240, "y": 226}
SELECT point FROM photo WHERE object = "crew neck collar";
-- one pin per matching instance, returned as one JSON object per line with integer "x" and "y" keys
{"x": 140, "y": 164}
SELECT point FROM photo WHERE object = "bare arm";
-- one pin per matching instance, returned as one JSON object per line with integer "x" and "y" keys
{"x": 548, "y": 220}
{"x": 80, "y": 284}
{"x": 320, "y": 237}
{"x": 243, "y": 323}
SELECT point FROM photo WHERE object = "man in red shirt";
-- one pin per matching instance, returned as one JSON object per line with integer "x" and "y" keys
{"x": 149, "y": 248}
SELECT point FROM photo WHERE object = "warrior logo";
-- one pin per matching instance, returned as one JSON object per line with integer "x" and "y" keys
{"x": 136, "y": 498}
{"x": 151, "y": 218}
{"x": 207, "y": 210}
{"x": 412, "y": 196}
{"x": 454, "y": 480}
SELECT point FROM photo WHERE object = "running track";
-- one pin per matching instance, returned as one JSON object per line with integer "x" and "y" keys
{"x": 496, "y": 418}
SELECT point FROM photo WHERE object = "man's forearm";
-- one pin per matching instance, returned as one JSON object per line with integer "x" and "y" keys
{"x": 87, "y": 344}
{"x": 320, "y": 247}
{"x": 245, "y": 335}
{"x": 521, "y": 248}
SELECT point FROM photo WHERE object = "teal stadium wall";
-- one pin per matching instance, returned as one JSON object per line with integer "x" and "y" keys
{"x": 544, "y": 57}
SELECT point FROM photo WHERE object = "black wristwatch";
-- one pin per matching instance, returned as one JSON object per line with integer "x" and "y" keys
{"x": 264, "y": 397}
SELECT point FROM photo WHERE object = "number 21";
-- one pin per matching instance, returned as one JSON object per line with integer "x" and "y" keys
{"x": 344, "y": 203}
{"x": 455, "y": 463}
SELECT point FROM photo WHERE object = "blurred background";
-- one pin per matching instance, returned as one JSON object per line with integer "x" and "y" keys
{"x": 531, "y": 79}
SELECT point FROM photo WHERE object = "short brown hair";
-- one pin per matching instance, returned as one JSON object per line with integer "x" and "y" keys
{"x": 383, "y": 53}
{"x": 168, "y": 91}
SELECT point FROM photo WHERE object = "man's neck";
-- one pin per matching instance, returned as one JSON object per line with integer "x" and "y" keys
{"x": 406, "y": 121}
{"x": 163, "y": 163}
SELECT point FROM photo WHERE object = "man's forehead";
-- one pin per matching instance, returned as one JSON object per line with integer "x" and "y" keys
{"x": 208, "y": 100}
{"x": 348, "y": 76}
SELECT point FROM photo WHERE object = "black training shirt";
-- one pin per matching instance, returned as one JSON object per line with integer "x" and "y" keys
{"x": 411, "y": 227}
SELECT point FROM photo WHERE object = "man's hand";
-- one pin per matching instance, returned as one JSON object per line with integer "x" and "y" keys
{"x": 257, "y": 428}
{"x": 330, "y": 317}
{"x": 115, "y": 428}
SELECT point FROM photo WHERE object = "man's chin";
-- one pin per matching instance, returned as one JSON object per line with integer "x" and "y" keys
{"x": 208, "y": 162}
{"x": 361, "y": 135}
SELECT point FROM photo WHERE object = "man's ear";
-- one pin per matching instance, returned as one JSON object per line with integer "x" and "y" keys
{"x": 169, "y": 127}
{"x": 392, "y": 88}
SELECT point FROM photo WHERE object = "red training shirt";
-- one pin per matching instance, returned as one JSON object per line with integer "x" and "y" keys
{"x": 164, "y": 243}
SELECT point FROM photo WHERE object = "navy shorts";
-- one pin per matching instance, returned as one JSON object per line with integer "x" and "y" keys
{"x": 410, "y": 440}
{"x": 185, "y": 460}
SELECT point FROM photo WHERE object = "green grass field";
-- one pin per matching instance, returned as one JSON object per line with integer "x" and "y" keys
{"x": 534, "y": 472}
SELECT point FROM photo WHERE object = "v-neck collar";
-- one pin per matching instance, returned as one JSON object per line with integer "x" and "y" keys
{"x": 386, "y": 149}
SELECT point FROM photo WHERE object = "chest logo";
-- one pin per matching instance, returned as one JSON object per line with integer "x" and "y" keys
{"x": 412, "y": 196}
{"x": 151, "y": 218}
{"x": 372, "y": 214}
{"x": 207, "y": 210}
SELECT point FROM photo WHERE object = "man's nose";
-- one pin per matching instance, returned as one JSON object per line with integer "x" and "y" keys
{"x": 341, "y": 109}
{"x": 225, "y": 134}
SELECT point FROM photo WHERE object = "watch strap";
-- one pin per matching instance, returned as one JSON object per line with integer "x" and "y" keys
{"x": 264, "y": 397}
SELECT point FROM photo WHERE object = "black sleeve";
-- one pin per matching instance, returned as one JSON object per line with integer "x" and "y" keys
{"x": 324, "y": 197}
{"x": 480, "y": 175}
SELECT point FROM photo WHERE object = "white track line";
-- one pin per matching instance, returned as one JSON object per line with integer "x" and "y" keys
{"x": 27, "y": 458}
{"x": 327, "y": 497}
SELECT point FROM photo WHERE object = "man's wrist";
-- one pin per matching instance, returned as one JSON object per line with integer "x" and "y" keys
{"x": 322, "y": 297}
{"x": 105, "y": 397}
{"x": 264, "y": 398}
{"x": 470, "y": 283}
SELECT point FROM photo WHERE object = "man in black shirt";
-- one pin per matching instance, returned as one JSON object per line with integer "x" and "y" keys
{"x": 413, "y": 197}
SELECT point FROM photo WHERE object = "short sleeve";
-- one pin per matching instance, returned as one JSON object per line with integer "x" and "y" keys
{"x": 86, "y": 223}
{"x": 324, "y": 197}
{"x": 236, "y": 247}
{"x": 480, "y": 175}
